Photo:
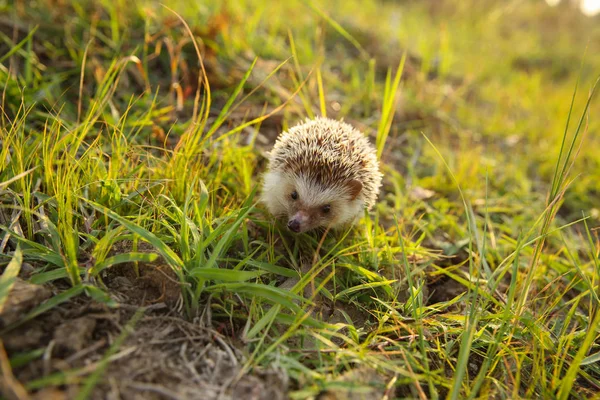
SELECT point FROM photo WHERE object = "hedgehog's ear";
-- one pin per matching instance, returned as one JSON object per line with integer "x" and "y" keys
{"x": 354, "y": 186}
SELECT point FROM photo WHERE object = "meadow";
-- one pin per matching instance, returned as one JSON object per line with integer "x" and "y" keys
{"x": 137, "y": 263}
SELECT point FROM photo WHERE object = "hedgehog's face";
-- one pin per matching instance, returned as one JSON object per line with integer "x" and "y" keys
{"x": 307, "y": 205}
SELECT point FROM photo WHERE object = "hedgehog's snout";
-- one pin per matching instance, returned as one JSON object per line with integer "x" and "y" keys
{"x": 294, "y": 225}
{"x": 298, "y": 222}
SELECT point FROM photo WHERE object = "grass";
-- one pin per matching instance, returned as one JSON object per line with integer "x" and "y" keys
{"x": 477, "y": 274}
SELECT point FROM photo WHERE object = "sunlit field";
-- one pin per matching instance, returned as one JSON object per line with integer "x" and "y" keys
{"x": 137, "y": 262}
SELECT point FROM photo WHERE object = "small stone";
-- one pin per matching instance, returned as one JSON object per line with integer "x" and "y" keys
{"x": 73, "y": 336}
{"x": 22, "y": 298}
{"x": 26, "y": 270}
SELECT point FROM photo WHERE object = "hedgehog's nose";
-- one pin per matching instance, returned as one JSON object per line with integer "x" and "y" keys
{"x": 294, "y": 225}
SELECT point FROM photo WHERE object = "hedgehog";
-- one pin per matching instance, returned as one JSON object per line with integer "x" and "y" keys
{"x": 322, "y": 173}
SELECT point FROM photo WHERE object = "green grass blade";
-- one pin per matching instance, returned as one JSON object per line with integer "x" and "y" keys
{"x": 591, "y": 359}
{"x": 22, "y": 359}
{"x": 48, "y": 276}
{"x": 335, "y": 25}
{"x": 122, "y": 258}
{"x": 275, "y": 295}
{"x": 322, "y": 103}
{"x": 364, "y": 286}
{"x": 19, "y": 45}
{"x": 570, "y": 377}
{"x": 225, "y": 275}
{"x": 7, "y": 280}
{"x": 275, "y": 269}
{"x": 164, "y": 250}
{"x": 389, "y": 109}
{"x": 99, "y": 295}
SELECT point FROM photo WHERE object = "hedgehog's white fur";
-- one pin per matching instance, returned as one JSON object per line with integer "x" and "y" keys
{"x": 322, "y": 160}
{"x": 275, "y": 190}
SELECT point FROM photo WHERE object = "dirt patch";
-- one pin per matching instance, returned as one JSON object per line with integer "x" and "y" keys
{"x": 74, "y": 335}
{"x": 163, "y": 357}
{"x": 444, "y": 289}
{"x": 148, "y": 284}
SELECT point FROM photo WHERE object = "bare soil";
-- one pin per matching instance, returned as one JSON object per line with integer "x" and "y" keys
{"x": 163, "y": 357}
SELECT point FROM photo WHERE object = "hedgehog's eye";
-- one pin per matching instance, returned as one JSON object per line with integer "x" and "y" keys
{"x": 326, "y": 209}
{"x": 294, "y": 195}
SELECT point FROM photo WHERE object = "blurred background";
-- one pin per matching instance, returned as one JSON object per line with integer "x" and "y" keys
{"x": 588, "y": 7}
{"x": 490, "y": 82}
